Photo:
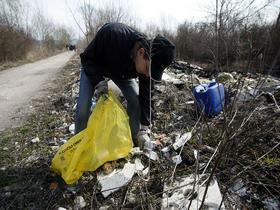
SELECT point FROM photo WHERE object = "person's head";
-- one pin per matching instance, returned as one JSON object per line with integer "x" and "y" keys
{"x": 163, "y": 53}
{"x": 141, "y": 59}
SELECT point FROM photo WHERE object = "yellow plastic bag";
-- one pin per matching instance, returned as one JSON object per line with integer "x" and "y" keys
{"x": 106, "y": 138}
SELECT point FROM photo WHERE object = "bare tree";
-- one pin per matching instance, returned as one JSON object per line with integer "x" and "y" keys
{"x": 94, "y": 17}
{"x": 231, "y": 17}
{"x": 15, "y": 41}
{"x": 42, "y": 26}
{"x": 87, "y": 10}
{"x": 62, "y": 36}
{"x": 11, "y": 12}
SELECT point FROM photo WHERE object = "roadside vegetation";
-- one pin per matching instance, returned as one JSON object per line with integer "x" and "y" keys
{"x": 26, "y": 37}
{"x": 235, "y": 36}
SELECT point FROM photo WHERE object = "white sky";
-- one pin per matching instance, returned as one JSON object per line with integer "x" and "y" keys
{"x": 167, "y": 12}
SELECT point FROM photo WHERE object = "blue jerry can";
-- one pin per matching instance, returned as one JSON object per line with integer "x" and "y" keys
{"x": 211, "y": 96}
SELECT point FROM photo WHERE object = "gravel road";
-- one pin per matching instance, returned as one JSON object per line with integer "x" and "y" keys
{"x": 21, "y": 85}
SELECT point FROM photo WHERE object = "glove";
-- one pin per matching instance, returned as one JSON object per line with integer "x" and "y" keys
{"x": 143, "y": 138}
{"x": 102, "y": 88}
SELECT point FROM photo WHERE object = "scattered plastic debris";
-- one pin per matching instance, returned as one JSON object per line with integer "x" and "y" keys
{"x": 177, "y": 159}
{"x": 104, "y": 208}
{"x": 181, "y": 194}
{"x": 271, "y": 204}
{"x": 182, "y": 140}
{"x": 239, "y": 188}
{"x": 152, "y": 155}
{"x": 79, "y": 202}
{"x": 72, "y": 128}
{"x": 31, "y": 158}
{"x": 136, "y": 151}
{"x": 35, "y": 140}
{"x": 118, "y": 178}
{"x": 225, "y": 77}
{"x": 138, "y": 165}
{"x": 54, "y": 148}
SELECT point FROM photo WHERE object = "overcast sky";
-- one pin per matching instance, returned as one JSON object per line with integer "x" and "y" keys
{"x": 168, "y": 12}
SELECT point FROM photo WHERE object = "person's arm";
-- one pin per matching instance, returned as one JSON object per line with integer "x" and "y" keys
{"x": 144, "y": 99}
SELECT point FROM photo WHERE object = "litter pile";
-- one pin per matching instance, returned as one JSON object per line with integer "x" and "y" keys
{"x": 228, "y": 161}
{"x": 239, "y": 148}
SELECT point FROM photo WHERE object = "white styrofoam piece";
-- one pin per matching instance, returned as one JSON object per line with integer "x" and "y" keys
{"x": 118, "y": 178}
{"x": 179, "y": 199}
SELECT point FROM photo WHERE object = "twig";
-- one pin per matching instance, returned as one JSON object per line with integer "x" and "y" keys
{"x": 250, "y": 166}
{"x": 75, "y": 19}
{"x": 124, "y": 199}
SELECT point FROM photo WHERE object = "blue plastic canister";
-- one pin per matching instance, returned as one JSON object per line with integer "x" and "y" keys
{"x": 211, "y": 96}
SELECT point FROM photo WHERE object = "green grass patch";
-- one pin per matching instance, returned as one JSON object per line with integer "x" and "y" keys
{"x": 271, "y": 161}
{"x": 25, "y": 129}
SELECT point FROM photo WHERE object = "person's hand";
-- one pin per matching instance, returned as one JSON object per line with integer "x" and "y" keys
{"x": 143, "y": 138}
{"x": 102, "y": 88}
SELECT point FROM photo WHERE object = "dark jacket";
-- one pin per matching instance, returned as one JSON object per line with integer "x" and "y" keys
{"x": 110, "y": 55}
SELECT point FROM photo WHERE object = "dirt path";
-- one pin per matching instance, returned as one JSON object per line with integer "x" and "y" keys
{"x": 20, "y": 85}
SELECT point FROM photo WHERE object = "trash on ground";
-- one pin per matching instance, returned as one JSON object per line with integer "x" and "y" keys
{"x": 53, "y": 186}
{"x": 225, "y": 77}
{"x": 32, "y": 158}
{"x": 182, "y": 140}
{"x": 210, "y": 98}
{"x": 171, "y": 78}
{"x": 107, "y": 168}
{"x": 138, "y": 165}
{"x": 104, "y": 208}
{"x": 79, "y": 202}
{"x": 136, "y": 151}
{"x": 72, "y": 128}
{"x": 181, "y": 194}
{"x": 151, "y": 155}
{"x": 54, "y": 148}
{"x": 117, "y": 179}
{"x": 176, "y": 159}
{"x": 149, "y": 145}
{"x": 271, "y": 204}
{"x": 35, "y": 140}
{"x": 189, "y": 102}
{"x": 239, "y": 188}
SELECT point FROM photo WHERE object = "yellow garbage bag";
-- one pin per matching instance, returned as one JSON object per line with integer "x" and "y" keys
{"x": 106, "y": 138}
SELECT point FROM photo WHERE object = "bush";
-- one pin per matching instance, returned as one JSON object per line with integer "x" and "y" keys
{"x": 14, "y": 43}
